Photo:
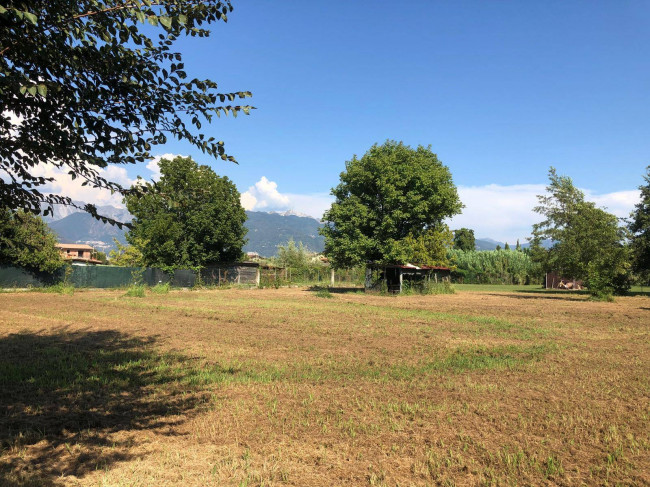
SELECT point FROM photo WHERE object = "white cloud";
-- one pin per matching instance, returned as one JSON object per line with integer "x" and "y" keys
{"x": 264, "y": 195}
{"x": 153, "y": 166}
{"x": 314, "y": 204}
{"x": 64, "y": 185}
{"x": 505, "y": 213}
{"x": 619, "y": 203}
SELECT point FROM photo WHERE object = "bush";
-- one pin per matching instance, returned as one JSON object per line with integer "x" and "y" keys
{"x": 135, "y": 291}
{"x": 442, "y": 287}
{"x": 161, "y": 288}
{"x": 324, "y": 293}
{"x": 607, "y": 277}
{"x": 60, "y": 288}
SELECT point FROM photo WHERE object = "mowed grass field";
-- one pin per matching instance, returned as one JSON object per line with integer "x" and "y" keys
{"x": 286, "y": 387}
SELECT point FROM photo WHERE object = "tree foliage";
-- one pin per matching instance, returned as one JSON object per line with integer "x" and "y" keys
{"x": 292, "y": 256}
{"x": 639, "y": 227}
{"x": 588, "y": 240}
{"x": 429, "y": 248}
{"x": 26, "y": 241}
{"x": 126, "y": 255}
{"x": 391, "y": 193}
{"x": 190, "y": 218}
{"x": 91, "y": 83}
{"x": 464, "y": 239}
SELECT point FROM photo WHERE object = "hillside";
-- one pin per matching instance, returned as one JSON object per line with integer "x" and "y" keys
{"x": 268, "y": 230}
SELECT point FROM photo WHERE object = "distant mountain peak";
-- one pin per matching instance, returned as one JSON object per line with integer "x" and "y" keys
{"x": 293, "y": 213}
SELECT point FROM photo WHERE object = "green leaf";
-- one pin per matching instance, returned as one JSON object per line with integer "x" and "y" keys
{"x": 182, "y": 19}
{"x": 166, "y": 22}
{"x": 42, "y": 90}
{"x": 32, "y": 90}
{"x": 23, "y": 90}
{"x": 31, "y": 17}
{"x": 153, "y": 20}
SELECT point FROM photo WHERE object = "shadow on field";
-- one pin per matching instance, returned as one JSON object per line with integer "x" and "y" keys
{"x": 567, "y": 296}
{"x": 75, "y": 401}
{"x": 559, "y": 292}
{"x": 555, "y": 294}
{"x": 337, "y": 290}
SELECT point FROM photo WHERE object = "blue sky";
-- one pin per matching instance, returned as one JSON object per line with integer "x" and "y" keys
{"x": 500, "y": 90}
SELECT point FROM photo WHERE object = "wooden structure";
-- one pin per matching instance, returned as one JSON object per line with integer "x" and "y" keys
{"x": 394, "y": 275}
{"x": 553, "y": 280}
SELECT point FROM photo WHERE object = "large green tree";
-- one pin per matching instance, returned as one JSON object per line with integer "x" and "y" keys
{"x": 639, "y": 227}
{"x": 464, "y": 239}
{"x": 89, "y": 83}
{"x": 190, "y": 218}
{"x": 588, "y": 241}
{"x": 391, "y": 194}
{"x": 26, "y": 241}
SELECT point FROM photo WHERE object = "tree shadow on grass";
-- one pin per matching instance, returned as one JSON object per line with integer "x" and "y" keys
{"x": 337, "y": 290}
{"x": 545, "y": 295}
{"x": 72, "y": 402}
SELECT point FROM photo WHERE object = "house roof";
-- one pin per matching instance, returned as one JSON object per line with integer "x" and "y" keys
{"x": 74, "y": 246}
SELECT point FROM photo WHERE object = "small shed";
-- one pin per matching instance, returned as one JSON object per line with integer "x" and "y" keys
{"x": 394, "y": 275}
{"x": 554, "y": 280}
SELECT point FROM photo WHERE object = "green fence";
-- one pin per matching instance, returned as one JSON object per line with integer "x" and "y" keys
{"x": 112, "y": 277}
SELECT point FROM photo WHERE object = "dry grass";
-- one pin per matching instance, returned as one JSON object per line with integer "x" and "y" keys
{"x": 282, "y": 387}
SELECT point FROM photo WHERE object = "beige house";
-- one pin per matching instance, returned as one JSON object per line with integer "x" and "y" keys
{"x": 77, "y": 253}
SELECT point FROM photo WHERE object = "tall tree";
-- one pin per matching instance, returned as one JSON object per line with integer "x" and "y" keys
{"x": 26, "y": 241}
{"x": 91, "y": 83}
{"x": 390, "y": 193}
{"x": 464, "y": 239}
{"x": 588, "y": 240}
{"x": 639, "y": 227}
{"x": 190, "y": 218}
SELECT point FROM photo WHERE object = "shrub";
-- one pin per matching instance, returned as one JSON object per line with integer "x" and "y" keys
{"x": 161, "y": 288}
{"x": 442, "y": 287}
{"x": 135, "y": 291}
{"x": 324, "y": 293}
{"x": 59, "y": 288}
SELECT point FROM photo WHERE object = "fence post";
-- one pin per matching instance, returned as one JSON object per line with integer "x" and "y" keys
{"x": 332, "y": 278}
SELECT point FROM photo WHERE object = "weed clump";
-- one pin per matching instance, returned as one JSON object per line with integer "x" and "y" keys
{"x": 161, "y": 288}
{"x": 324, "y": 293}
{"x": 442, "y": 287}
{"x": 135, "y": 291}
{"x": 59, "y": 288}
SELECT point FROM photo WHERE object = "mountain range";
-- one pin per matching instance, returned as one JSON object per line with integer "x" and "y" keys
{"x": 265, "y": 230}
